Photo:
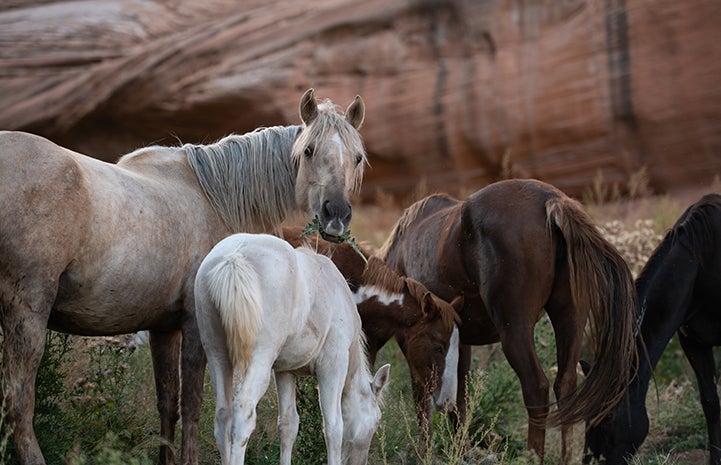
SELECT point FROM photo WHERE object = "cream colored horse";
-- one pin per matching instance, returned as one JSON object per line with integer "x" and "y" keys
{"x": 92, "y": 248}
{"x": 265, "y": 307}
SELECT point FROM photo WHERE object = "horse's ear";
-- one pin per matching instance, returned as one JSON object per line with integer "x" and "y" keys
{"x": 430, "y": 308}
{"x": 356, "y": 112}
{"x": 424, "y": 297}
{"x": 457, "y": 304}
{"x": 380, "y": 380}
{"x": 585, "y": 367}
{"x": 308, "y": 107}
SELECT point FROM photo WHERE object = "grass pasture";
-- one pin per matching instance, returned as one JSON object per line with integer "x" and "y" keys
{"x": 96, "y": 396}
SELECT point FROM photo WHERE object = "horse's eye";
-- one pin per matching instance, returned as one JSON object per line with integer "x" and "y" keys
{"x": 358, "y": 159}
{"x": 309, "y": 151}
{"x": 439, "y": 349}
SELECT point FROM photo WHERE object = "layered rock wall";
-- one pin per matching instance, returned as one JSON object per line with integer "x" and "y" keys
{"x": 458, "y": 93}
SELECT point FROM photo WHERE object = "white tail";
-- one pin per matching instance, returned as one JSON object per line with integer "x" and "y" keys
{"x": 234, "y": 288}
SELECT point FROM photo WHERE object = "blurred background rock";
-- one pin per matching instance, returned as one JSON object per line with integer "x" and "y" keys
{"x": 458, "y": 93}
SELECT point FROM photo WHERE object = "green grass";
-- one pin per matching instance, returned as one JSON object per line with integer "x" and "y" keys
{"x": 96, "y": 397}
{"x": 96, "y": 405}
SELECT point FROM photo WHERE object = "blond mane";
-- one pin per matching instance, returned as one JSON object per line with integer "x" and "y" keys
{"x": 234, "y": 175}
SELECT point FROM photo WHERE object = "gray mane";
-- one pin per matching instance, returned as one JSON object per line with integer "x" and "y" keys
{"x": 249, "y": 179}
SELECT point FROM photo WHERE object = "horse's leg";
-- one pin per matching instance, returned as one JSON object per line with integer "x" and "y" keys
{"x": 193, "y": 363}
{"x": 568, "y": 327}
{"x": 517, "y": 343}
{"x": 288, "y": 419}
{"x": 24, "y": 323}
{"x": 702, "y": 361}
{"x": 221, "y": 378}
{"x": 423, "y": 414}
{"x": 331, "y": 378}
{"x": 459, "y": 414}
{"x": 165, "y": 351}
{"x": 245, "y": 399}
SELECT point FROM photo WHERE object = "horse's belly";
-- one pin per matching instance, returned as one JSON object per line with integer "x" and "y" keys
{"x": 93, "y": 318}
{"x": 476, "y": 326}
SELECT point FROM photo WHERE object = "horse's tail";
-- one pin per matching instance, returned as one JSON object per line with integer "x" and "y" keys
{"x": 601, "y": 282}
{"x": 234, "y": 288}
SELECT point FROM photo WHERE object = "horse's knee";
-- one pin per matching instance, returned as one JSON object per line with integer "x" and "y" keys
{"x": 167, "y": 406}
{"x": 222, "y": 421}
{"x": 289, "y": 421}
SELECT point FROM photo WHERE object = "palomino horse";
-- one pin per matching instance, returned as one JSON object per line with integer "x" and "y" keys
{"x": 391, "y": 305}
{"x": 514, "y": 249}
{"x": 92, "y": 248}
{"x": 264, "y": 306}
{"x": 679, "y": 291}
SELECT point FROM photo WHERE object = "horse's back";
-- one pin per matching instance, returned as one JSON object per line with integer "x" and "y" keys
{"x": 306, "y": 301}
{"x": 517, "y": 203}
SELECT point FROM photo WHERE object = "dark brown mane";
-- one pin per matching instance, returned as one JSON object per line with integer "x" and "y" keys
{"x": 409, "y": 216}
{"x": 693, "y": 230}
{"x": 377, "y": 273}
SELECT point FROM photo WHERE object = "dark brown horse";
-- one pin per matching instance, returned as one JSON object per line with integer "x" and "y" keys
{"x": 515, "y": 249}
{"x": 394, "y": 306}
{"x": 679, "y": 290}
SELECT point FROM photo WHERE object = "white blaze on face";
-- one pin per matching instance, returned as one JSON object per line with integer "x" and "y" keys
{"x": 339, "y": 144}
{"x": 384, "y": 297}
{"x": 446, "y": 397}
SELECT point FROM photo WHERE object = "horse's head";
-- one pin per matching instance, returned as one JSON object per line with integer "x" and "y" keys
{"x": 431, "y": 345}
{"x": 331, "y": 160}
{"x": 362, "y": 415}
{"x": 617, "y": 436}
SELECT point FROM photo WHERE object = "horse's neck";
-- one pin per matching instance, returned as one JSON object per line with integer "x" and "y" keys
{"x": 380, "y": 323}
{"x": 249, "y": 179}
{"x": 358, "y": 377}
{"x": 664, "y": 289}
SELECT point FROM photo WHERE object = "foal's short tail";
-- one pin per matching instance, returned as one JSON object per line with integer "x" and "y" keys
{"x": 234, "y": 288}
{"x": 602, "y": 283}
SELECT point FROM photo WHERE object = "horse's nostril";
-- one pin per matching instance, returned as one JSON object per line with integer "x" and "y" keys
{"x": 340, "y": 211}
{"x": 327, "y": 208}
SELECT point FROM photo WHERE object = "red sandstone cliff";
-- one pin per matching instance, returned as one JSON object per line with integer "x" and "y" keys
{"x": 453, "y": 89}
